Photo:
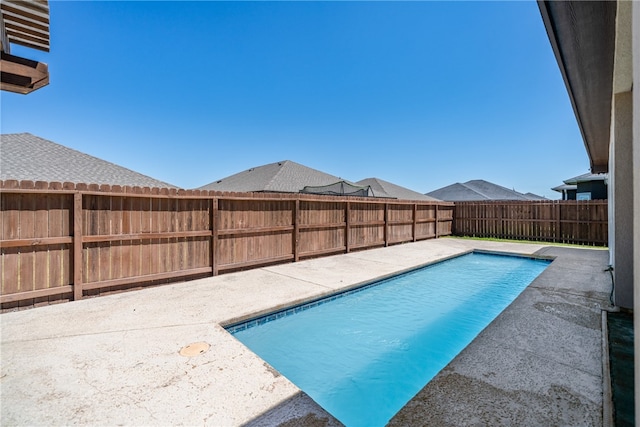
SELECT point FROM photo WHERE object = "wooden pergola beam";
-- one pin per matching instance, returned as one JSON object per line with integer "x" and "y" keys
{"x": 23, "y": 22}
{"x": 21, "y": 75}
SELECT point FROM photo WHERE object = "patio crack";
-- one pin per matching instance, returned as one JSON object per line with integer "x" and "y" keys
{"x": 301, "y": 280}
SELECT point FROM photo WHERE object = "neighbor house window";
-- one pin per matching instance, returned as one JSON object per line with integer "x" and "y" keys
{"x": 583, "y": 196}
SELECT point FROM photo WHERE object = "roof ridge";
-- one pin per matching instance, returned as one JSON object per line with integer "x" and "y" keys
{"x": 474, "y": 190}
{"x": 275, "y": 175}
{"x": 500, "y": 186}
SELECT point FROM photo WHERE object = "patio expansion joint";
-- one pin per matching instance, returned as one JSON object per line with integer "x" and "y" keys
{"x": 299, "y": 279}
{"x": 106, "y": 332}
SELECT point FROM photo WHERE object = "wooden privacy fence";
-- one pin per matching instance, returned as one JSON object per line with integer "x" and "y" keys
{"x": 66, "y": 241}
{"x": 561, "y": 221}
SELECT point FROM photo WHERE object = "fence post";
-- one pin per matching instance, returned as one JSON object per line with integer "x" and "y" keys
{"x": 296, "y": 230}
{"x": 558, "y": 234}
{"x": 213, "y": 218}
{"x": 415, "y": 221}
{"x": 77, "y": 246}
{"x": 454, "y": 220}
{"x": 436, "y": 223}
{"x": 347, "y": 228}
{"x": 386, "y": 224}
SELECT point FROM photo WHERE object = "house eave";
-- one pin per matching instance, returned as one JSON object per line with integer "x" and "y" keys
{"x": 582, "y": 36}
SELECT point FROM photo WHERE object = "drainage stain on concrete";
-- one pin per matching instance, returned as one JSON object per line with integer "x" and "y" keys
{"x": 576, "y": 314}
{"x": 272, "y": 370}
{"x": 457, "y": 400}
{"x": 309, "y": 420}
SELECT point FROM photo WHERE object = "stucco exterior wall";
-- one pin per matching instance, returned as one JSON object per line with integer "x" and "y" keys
{"x": 622, "y": 169}
{"x": 636, "y": 198}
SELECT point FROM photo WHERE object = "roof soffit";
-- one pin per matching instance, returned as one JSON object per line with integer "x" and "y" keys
{"x": 582, "y": 35}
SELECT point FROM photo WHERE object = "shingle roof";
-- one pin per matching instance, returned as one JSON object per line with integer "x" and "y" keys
{"x": 478, "y": 189}
{"x": 27, "y": 157}
{"x": 285, "y": 176}
{"x": 586, "y": 177}
{"x": 532, "y": 196}
{"x": 383, "y": 188}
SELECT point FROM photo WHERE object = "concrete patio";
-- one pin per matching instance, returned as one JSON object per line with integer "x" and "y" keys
{"x": 115, "y": 359}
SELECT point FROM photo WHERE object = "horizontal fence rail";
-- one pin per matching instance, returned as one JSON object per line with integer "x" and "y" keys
{"x": 66, "y": 241}
{"x": 560, "y": 221}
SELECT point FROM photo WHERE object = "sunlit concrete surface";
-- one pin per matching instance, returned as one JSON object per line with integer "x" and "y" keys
{"x": 116, "y": 359}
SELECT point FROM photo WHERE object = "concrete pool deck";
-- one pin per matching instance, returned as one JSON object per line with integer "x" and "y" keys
{"x": 115, "y": 359}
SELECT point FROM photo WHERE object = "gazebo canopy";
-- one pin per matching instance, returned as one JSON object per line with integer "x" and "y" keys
{"x": 340, "y": 188}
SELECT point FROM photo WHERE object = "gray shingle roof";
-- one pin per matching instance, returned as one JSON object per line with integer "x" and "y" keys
{"x": 283, "y": 177}
{"x": 27, "y": 157}
{"x": 532, "y": 196}
{"x": 478, "y": 189}
{"x": 383, "y": 188}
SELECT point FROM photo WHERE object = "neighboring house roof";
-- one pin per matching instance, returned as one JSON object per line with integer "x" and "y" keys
{"x": 383, "y": 188}
{"x": 532, "y": 196}
{"x": 565, "y": 187}
{"x": 572, "y": 183}
{"x": 282, "y": 177}
{"x": 478, "y": 189}
{"x": 586, "y": 178}
{"x": 27, "y": 157}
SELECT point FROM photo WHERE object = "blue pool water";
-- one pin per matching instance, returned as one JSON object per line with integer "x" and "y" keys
{"x": 364, "y": 354}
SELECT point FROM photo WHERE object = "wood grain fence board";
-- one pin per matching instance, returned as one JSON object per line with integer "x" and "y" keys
{"x": 164, "y": 226}
{"x": 27, "y": 230}
{"x": 296, "y": 231}
{"x": 214, "y": 237}
{"x": 56, "y": 263}
{"x": 117, "y": 205}
{"x": 51, "y": 294}
{"x": 42, "y": 267}
{"x": 66, "y": 254}
{"x": 78, "y": 252}
{"x": 347, "y": 228}
{"x": 104, "y": 227}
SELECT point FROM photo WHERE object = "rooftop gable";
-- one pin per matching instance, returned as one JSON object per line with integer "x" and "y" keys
{"x": 477, "y": 189}
{"x": 283, "y": 177}
{"x": 382, "y": 188}
{"x": 24, "y": 156}
{"x": 494, "y": 191}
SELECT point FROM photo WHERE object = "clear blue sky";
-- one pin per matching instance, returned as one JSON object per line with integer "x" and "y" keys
{"x": 422, "y": 94}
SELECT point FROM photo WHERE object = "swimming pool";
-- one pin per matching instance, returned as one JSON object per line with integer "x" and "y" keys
{"x": 364, "y": 354}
